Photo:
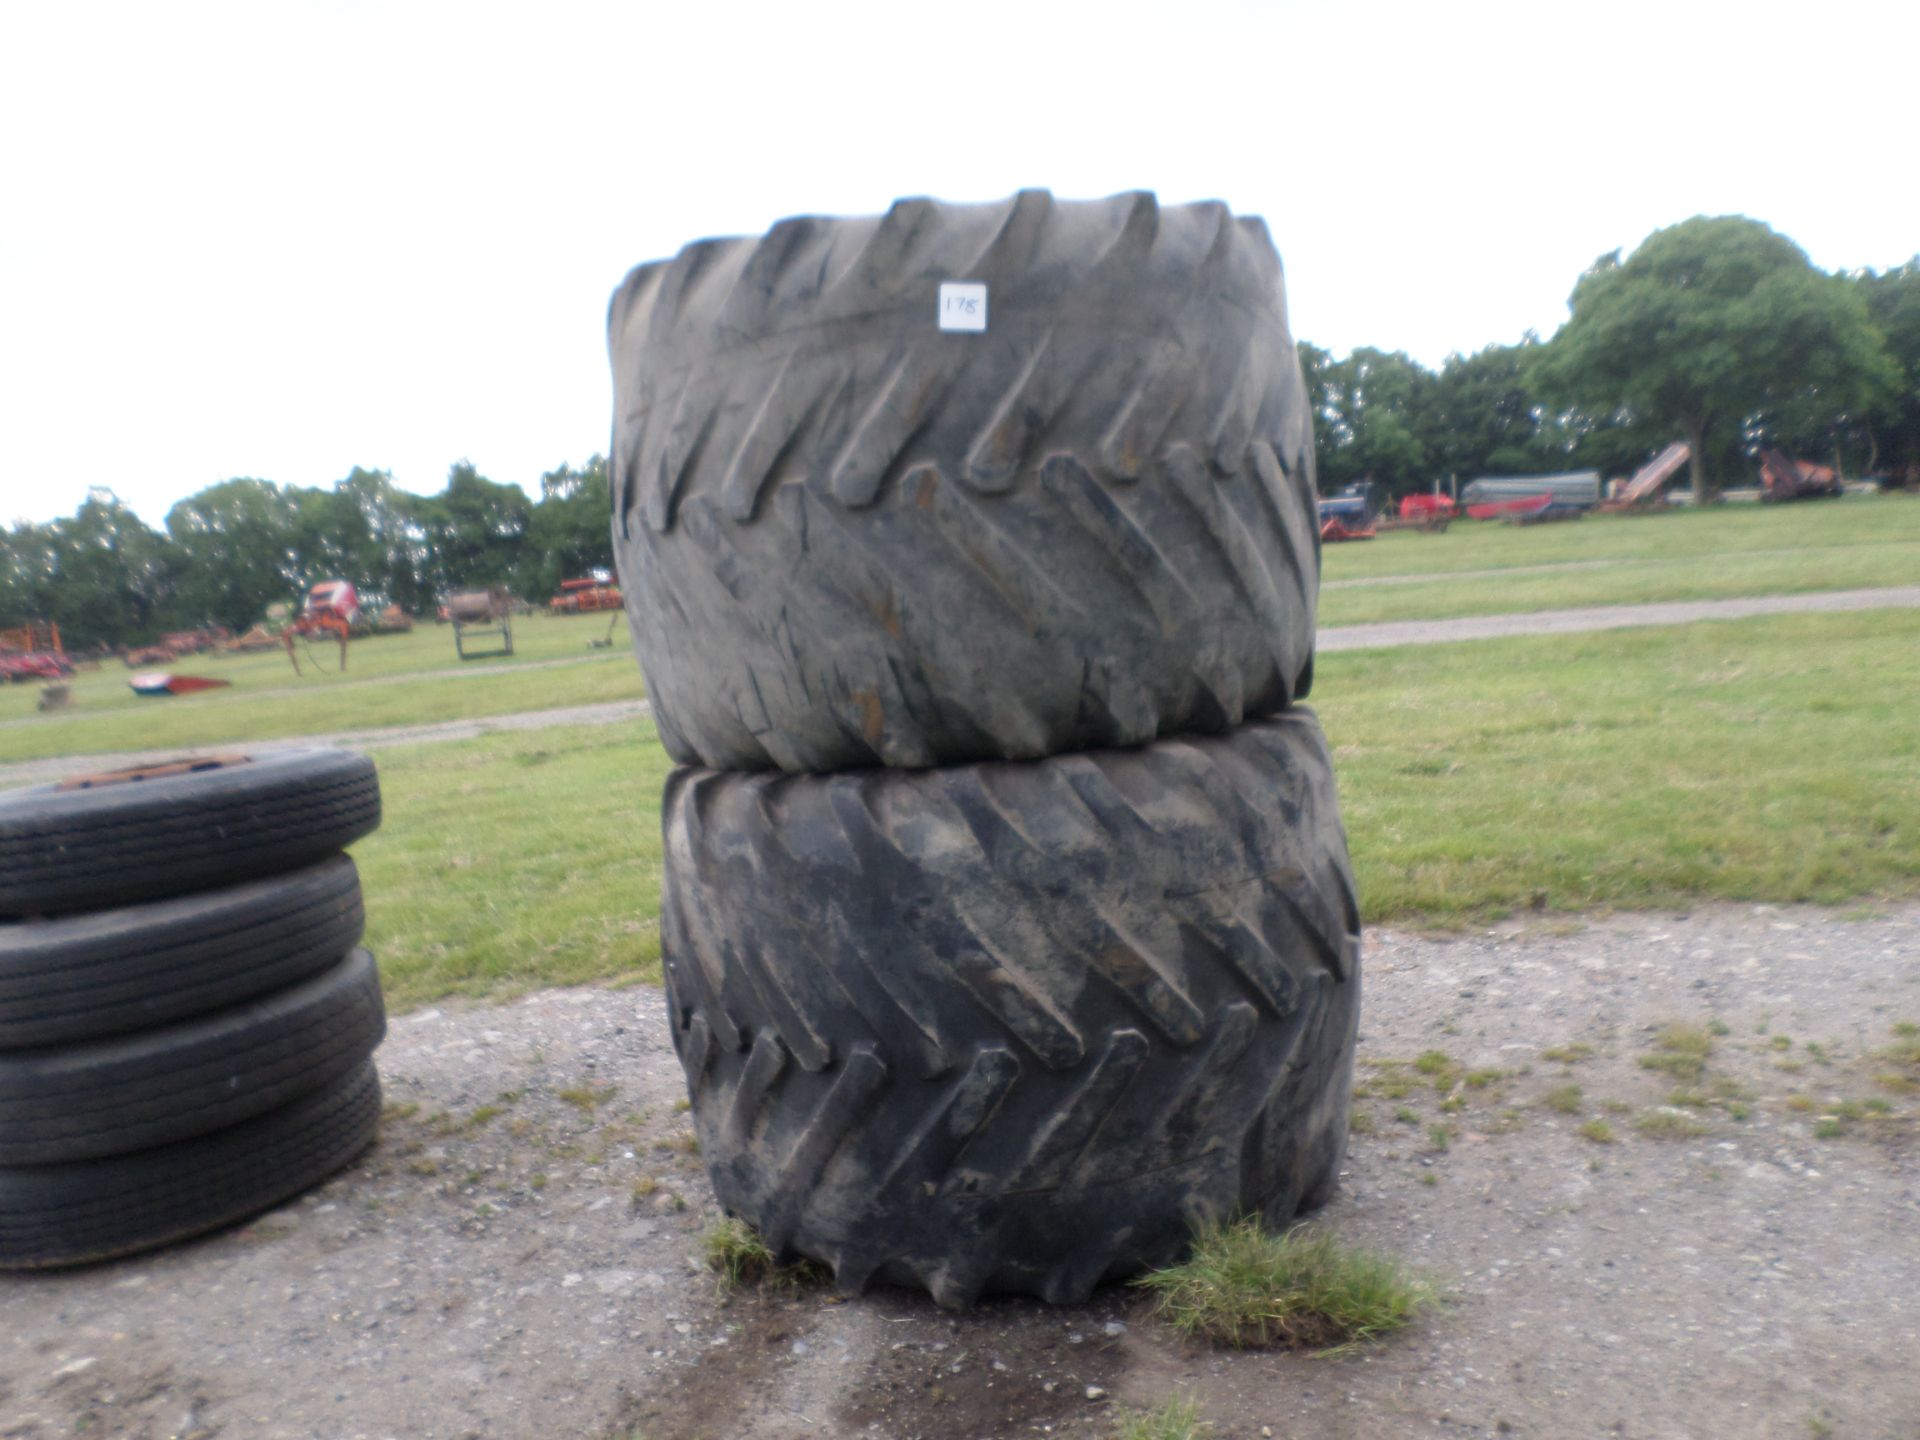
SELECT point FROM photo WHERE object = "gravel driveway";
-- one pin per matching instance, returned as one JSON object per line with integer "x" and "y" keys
{"x": 518, "y": 1256}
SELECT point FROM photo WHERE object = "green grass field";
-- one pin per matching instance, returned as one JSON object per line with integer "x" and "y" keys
{"x": 1771, "y": 759}
{"x": 390, "y": 680}
{"x": 517, "y": 861}
{"x": 1676, "y": 535}
{"x": 1623, "y": 560}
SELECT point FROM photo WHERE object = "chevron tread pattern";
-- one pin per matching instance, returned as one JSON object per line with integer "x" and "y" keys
{"x": 1014, "y": 1027}
{"x": 787, "y": 411}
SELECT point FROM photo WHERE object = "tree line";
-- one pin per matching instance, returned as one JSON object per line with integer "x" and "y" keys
{"x": 1717, "y": 330}
{"x": 234, "y": 549}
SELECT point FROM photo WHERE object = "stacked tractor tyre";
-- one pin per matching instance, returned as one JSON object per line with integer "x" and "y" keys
{"x": 970, "y": 556}
{"x": 186, "y": 1018}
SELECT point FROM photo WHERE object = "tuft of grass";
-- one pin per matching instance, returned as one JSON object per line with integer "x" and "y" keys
{"x": 1302, "y": 1290}
{"x": 1440, "y": 1068}
{"x": 1828, "y": 1127}
{"x": 1568, "y": 1054}
{"x": 1564, "y": 1099}
{"x": 1405, "y": 1116}
{"x": 734, "y": 1250}
{"x": 1668, "y": 1125}
{"x": 1176, "y": 1420}
{"x": 1902, "y": 1059}
{"x": 1439, "y": 1137}
{"x": 1598, "y": 1131}
{"x": 1391, "y": 1082}
{"x": 1359, "y": 1122}
{"x": 1680, "y": 1051}
{"x": 586, "y": 1097}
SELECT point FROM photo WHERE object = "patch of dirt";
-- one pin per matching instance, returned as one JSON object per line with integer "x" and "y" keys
{"x": 1732, "y": 1255}
{"x": 1008, "y": 1367}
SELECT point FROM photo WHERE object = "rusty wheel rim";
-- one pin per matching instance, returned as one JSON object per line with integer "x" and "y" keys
{"x": 153, "y": 770}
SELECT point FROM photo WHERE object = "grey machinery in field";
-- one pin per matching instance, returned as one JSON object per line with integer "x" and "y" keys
{"x": 481, "y": 614}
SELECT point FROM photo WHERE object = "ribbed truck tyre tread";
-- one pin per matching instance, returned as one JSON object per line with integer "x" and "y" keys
{"x": 849, "y": 537}
{"x": 132, "y": 1092}
{"x": 108, "y": 972}
{"x": 74, "y": 1214}
{"x": 91, "y": 849}
{"x": 1016, "y": 1027}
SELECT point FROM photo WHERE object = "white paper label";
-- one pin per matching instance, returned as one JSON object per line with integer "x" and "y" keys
{"x": 963, "y": 305}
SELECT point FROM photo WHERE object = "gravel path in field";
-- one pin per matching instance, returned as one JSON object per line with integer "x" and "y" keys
{"x": 1608, "y": 617}
{"x": 518, "y": 1257}
{"x": 1428, "y": 577}
{"x": 1340, "y": 637}
{"x": 480, "y": 672}
{"x": 610, "y": 712}
{"x": 1552, "y": 567}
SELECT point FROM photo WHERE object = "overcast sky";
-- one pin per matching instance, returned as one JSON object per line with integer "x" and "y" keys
{"x": 283, "y": 239}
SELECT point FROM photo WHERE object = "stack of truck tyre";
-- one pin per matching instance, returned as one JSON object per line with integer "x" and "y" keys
{"x": 186, "y": 1016}
{"x": 971, "y": 557}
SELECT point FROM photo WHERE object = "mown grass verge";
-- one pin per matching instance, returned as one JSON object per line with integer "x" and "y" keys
{"x": 391, "y": 680}
{"x": 1771, "y": 759}
{"x": 1857, "y": 521}
{"x": 1631, "y": 582}
{"x": 1774, "y": 759}
{"x": 1303, "y": 1290}
{"x": 516, "y": 861}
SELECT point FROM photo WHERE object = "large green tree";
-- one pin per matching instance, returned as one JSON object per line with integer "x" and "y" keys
{"x": 235, "y": 548}
{"x": 1892, "y": 425}
{"x": 392, "y": 556}
{"x": 109, "y": 578}
{"x": 1367, "y": 417}
{"x": 475, "y": 530}
{"x": 570, "y": 532}
{"x": 1709, "y": 323}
